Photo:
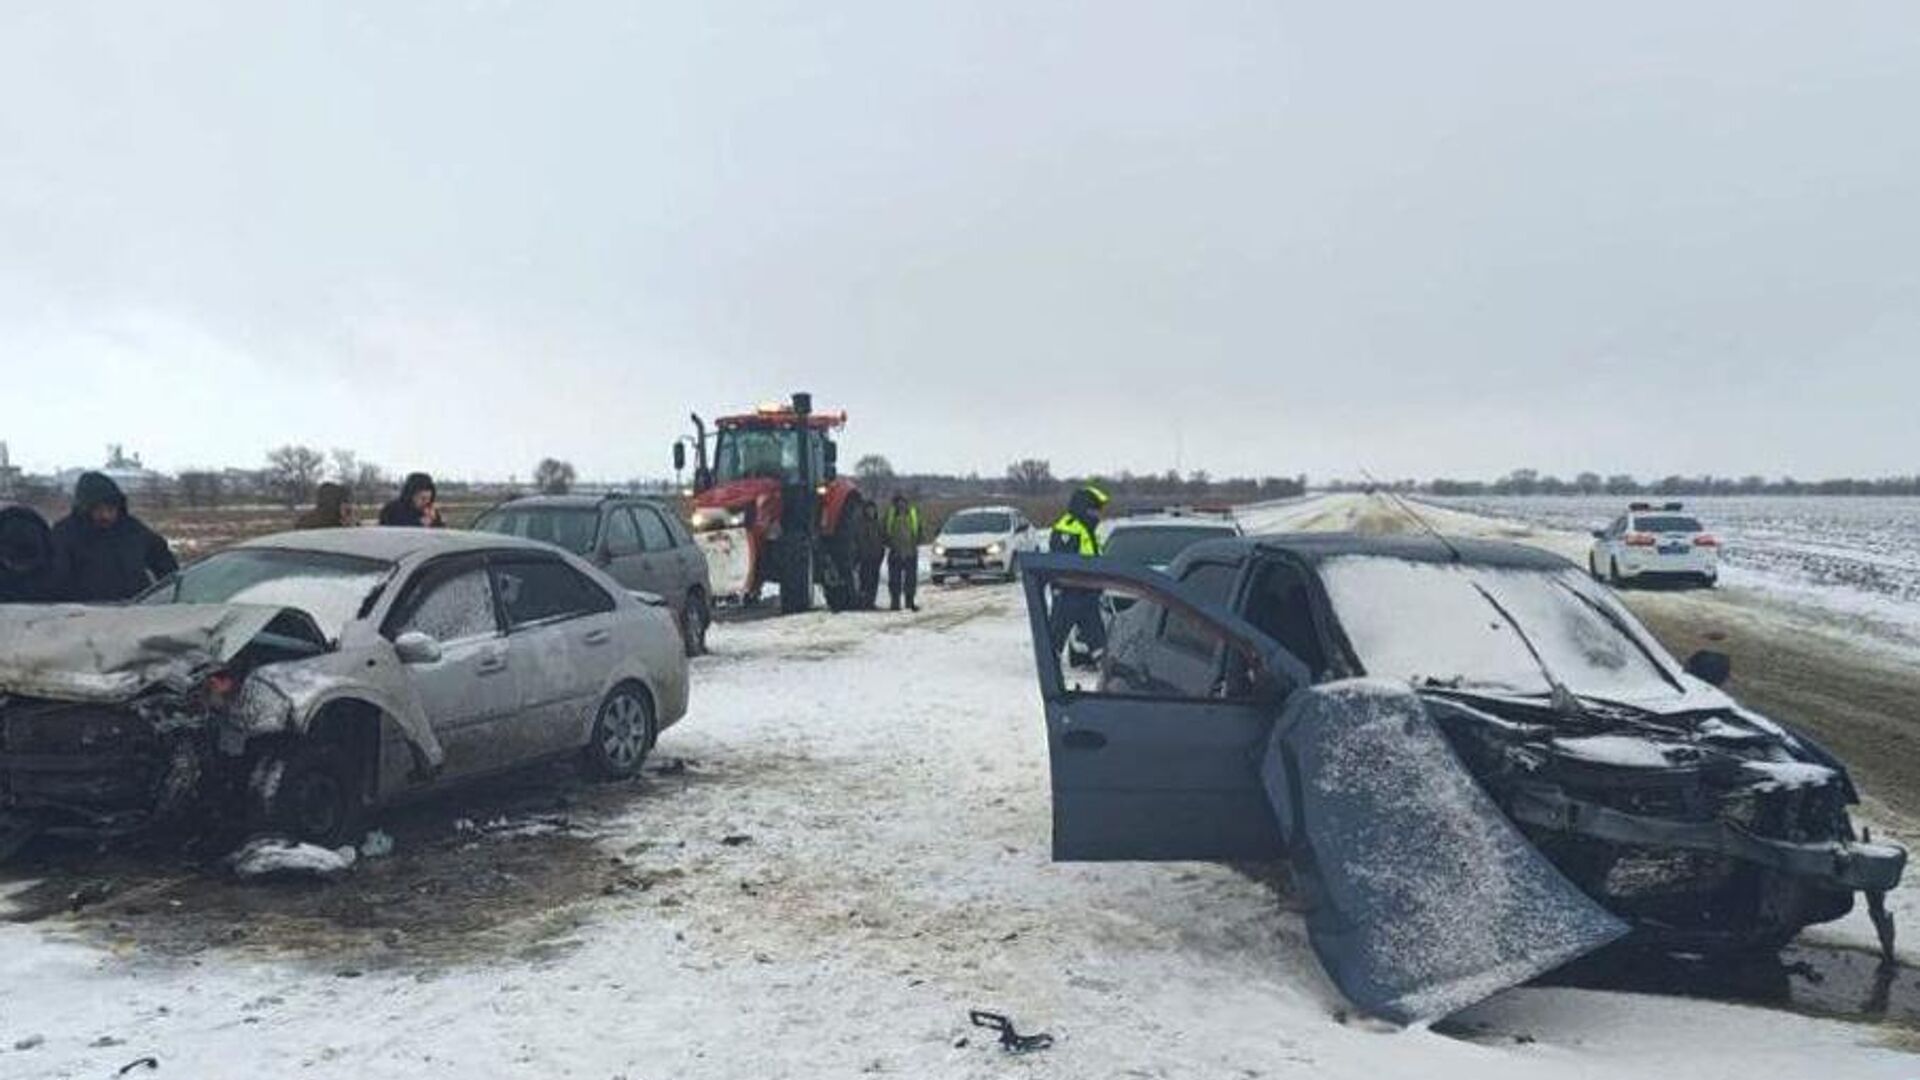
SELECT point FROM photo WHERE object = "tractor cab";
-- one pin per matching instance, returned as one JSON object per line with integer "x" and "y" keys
{"x": 769, "y": 504}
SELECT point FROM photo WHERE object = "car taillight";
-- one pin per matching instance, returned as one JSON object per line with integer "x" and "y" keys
{"x": 1705, "y": 540}
{"x": 1640, "y": 539}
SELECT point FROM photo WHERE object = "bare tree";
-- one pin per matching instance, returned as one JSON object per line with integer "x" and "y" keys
{"x": 553, "y": 476}
{"x": 873, "y": 468}
{"x": 1031, "y": 476}
{"x": 293, "y": 471}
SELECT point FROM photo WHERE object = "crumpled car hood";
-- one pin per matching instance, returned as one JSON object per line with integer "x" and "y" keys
{"x": 75, "y": 652}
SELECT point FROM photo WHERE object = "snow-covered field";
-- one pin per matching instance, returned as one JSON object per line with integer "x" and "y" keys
{"x": 856, "y": 854}
{"x": 1855, "y": 557}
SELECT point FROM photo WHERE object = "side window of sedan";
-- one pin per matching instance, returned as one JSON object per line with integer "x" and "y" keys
{"x": 622, "y": 537}
{"x": 653, "y": 531}
{"x": 451, "y": 604}
{"x": 534, "y": 591}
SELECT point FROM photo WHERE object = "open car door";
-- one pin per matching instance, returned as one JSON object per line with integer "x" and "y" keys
{"x": 1158, "y": 765}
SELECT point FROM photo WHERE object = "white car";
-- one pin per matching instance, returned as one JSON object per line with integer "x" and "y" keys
{"x": 1652, "y": 543}
{"x": 983, "y": 541}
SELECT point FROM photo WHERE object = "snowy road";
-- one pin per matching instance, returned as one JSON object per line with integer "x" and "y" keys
{"x": 856, "y": 855}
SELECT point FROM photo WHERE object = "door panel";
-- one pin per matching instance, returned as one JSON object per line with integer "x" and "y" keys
{"x": 561, "y": 627}
{"x": 1164, "y": 776}
{"x": 662, "y": 574}
{"x": 471, "y": 690}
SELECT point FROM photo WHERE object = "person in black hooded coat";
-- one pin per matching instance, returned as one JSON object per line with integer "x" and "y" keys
{"x": 101, "y": 553}
{"x": 26, "y": 556}
{"x": 415, "y": 506}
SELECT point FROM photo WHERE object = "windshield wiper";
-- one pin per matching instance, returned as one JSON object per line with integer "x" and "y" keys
{"x": 1620, "y": 625}
{"x": 1563, "y": 700}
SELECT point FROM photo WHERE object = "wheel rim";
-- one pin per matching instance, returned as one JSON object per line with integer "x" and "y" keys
{"x": 623, "y": 726}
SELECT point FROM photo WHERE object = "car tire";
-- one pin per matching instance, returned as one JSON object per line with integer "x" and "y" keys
{"x": 309, "y": 791}
{"x": 623, "y": 734}
{"x": 1593, "y": 566}
{"x": 939, "y": 579}
{"x": 1613, "y": 573}
{"x": 694, "y": 621}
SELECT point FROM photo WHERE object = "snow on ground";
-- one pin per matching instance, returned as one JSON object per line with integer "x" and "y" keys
{"x": 856, "y": 855}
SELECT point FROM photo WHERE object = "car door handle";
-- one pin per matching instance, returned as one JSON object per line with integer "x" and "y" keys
{"x": 598, "y": 637}
{"x": 1082, "y": 739}
{"x": 493, "y": 663}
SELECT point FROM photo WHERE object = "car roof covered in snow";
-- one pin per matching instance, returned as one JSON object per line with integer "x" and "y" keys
{"x": 392, "y": 544}
{"x": 1316, "y": 547}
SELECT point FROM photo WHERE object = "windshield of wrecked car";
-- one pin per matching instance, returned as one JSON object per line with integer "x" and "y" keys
{"x": 329, "y": 587}
{"x": 1157, "y": 545}
{"x": 1422, "y": 621}
{"x": 978, "y": 521}
{"x": 575, "y": 528}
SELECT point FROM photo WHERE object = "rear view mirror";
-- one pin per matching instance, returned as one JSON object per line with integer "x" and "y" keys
{"x": 1712, "y": 668}
{"x": 679, "y": 456}
{"x": 414, "y": 647}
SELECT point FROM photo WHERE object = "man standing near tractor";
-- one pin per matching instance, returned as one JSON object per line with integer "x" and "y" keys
{"x": 1076, "y": 533}
{"x": 902, "y": 528}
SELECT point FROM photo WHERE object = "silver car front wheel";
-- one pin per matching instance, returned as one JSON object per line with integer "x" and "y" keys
{"x": 623, "y": 734}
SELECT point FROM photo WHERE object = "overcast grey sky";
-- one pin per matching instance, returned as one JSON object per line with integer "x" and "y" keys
{"x": 1262, "y": 237}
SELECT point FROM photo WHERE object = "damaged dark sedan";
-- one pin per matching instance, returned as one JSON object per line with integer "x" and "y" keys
{"x": 1478, "y": 764}
{"x": 295, "y": 682}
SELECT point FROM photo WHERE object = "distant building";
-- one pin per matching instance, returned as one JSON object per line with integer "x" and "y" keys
{"x": 134, "y": 478}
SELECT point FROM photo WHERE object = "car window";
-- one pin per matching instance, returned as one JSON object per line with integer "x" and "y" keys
{"x": 574, "y": 528}
{"x": 1281, "y": 606}
{"x": 1212, "y": 582}
{"x": 1667, "y": 523}
{"x": 540, "y": 591}
{"x": 623, "y": 538}
{"x": 450, "y": 603}
{"x": 1619, "y": 526}
{"x": 1194, "y": 661}
{"x": 653, "y": 531}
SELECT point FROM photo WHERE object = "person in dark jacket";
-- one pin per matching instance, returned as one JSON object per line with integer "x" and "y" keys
{"x": 26, "y": 556}
{"x": 332, "y": 509}
{"x": 415, "y": 507}
{"x": 902, "y": 529}
{"x": 102, "y": 553}
{"x": 869, "y": 554}
{"x": 1077, "y": 533}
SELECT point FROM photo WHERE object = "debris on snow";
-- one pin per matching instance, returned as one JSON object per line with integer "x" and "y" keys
{"x": 273, "y": 855}
{"x": 377, "y": 845}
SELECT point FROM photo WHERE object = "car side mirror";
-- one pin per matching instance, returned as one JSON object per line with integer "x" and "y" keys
{"x": 1599, "y": 534}
{"x": 1712, "y": 668}
{"x": 679, "y": 456}
{"x": 414, "y": 647}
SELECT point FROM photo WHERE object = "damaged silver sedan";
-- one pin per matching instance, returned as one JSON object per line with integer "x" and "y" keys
{"x": 1477, "y": 763}
{"x": 296, "y": 682}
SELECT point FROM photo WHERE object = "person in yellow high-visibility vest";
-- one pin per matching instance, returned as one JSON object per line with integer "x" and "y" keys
{"x": 1077, "y": 533}
{"x": 902, "y": 527}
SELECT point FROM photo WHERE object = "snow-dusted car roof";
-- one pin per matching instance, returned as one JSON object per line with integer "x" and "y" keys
{"x": 391, "y": 544}
{"x": 1317, "y": 546}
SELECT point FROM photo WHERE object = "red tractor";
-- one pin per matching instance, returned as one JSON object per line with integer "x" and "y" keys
{"x": 769, "y": 505}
